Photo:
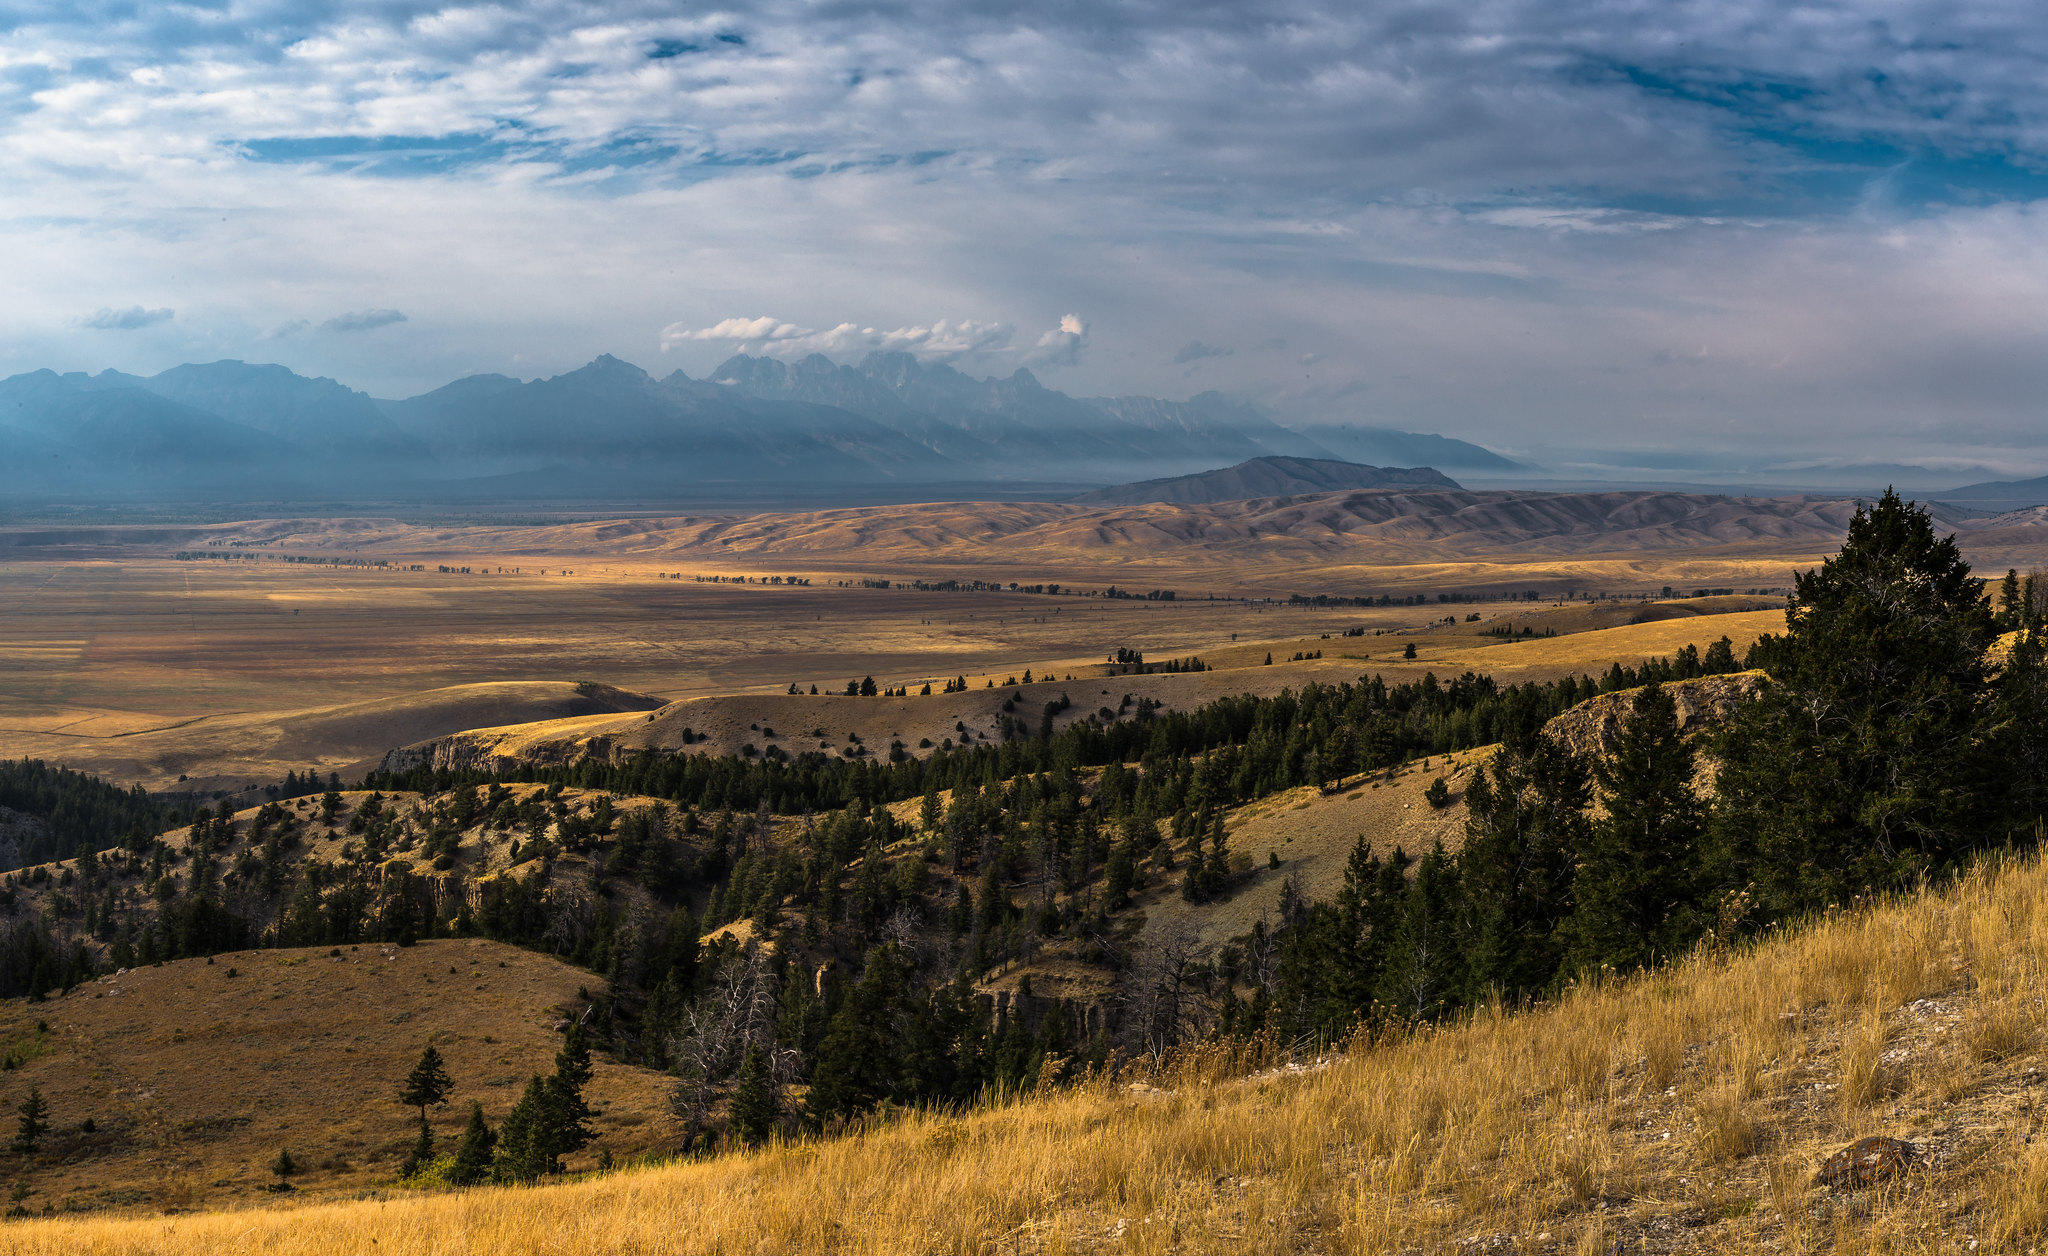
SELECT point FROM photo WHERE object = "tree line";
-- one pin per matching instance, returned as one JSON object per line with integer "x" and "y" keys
{"x": 76, "y": 811}
{"x": 1887, "y": 744}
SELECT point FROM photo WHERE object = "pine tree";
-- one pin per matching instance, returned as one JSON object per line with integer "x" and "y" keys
{"x": 1216, "y": 869}
{"x": 428, "y": 1085}
{"x": 1861, "y": 764}
{"x": 1525, "y": 819}
{"x": 2010, "y": 611}
{"x": 34, "y": 1121}
{"x": 1720, "y": 660}
{"x": 1638, "y": 877}
{"x": 857, "y": 1062}
{"x": 422, "y": 1153}
{"x": 473, "y": 1155}
{"x": 570, "y": 1112}
{"x": 1424, "y": 968}
{"x": 284, "y": 1167}
{"x": 525, "y": 1150}
{"x": 2019, "y": 739}
{"x": 753, "y": 1107}
{"x": 1118, "y": 874}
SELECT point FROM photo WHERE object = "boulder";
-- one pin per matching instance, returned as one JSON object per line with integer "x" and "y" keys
{"x": 1867, "y": 1162}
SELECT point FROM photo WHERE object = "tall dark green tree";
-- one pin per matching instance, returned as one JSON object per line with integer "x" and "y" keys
{"x": 857, "y": 1064}
{"x": 570, "y": 1111}
{"x": 2011, "y": 609}
{"x": 1332, "y": 955}
{"x": 753, "y": 1107}
{"x": 1638, "y": 882}
{"x": 428, "y": 1085}
{"x": 2019, "y": 736}
{"x": 473, "y": 1154}
{"x": 1525, "y": 821}
{"x": 33, "y": 1121}
{"x": 1425, "y": 969}
{"x": 1862, "y": 763}
{"x": 526, "y": 1141}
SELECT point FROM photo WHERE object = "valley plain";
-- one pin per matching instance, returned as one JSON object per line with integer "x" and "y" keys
{"x": 212, "y": 652}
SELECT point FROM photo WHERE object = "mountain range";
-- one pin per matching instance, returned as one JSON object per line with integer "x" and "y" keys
{"x": 611, "y": 430}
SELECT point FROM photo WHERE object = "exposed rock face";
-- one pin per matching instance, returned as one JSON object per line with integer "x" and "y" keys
{"x": 1867, "y": 1162}
{"x": 1591, "y": 727}
{"x": 496, "y": 750}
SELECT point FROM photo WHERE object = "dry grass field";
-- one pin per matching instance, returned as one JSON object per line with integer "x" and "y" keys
{"x": 195, "y": 1072}
{"x": 1685, "y": 1110}
{"x": 230, "y": 673}
{"x": 95, "y": 655}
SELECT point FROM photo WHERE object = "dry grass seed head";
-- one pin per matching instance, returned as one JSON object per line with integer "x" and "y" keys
{"x": 1997, "y": 1029}
{"x": 1726, "y": 1130}
{"x": 1581, "y": 1155}
{"x": 1863, "y": 1079}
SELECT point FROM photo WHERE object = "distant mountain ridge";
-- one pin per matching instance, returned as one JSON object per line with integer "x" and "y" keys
{"x": 1268, "y": 477}
{"x": 611, "y": 430}
{"x": 2001, "y": 495}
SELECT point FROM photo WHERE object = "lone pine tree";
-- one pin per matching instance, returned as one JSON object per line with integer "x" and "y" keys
{"x": 428, "y": 1085}
{"x": 34, "y": 1121}
{"x": 284, "y": 1167}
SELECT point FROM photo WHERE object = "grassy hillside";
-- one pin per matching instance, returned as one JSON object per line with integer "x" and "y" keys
{"x": 195, "y": 1073}
{"x": 1681, "y": 1111}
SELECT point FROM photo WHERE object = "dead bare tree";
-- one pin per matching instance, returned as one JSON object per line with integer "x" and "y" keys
{"x": 1165, "y": 991}
{"x": 734, "y": 1016}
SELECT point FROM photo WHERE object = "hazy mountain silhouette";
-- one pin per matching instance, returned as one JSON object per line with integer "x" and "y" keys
{"x": 1269, "y": 477}
{"x": 610, "y": 430}
{"x": 2000, "y": 495}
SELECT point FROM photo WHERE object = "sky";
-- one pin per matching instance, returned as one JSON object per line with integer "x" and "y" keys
{"x": 1670, "y": 237}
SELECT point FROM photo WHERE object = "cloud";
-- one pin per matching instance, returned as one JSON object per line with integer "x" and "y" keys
{"x": 363, "y": 320}
{"x": 942, "y": 341}
{"x": 131, "y": 319}
{"x": 1490, "y": 218}
{"x": 1195, "y": 351}
{"x": 1062, "y": 345}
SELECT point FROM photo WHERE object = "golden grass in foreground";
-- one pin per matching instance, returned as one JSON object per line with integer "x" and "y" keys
{"x": 1684, "y": 1111}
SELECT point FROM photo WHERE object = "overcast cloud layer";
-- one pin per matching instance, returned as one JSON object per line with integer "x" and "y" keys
{"x": 1600, "y": 233}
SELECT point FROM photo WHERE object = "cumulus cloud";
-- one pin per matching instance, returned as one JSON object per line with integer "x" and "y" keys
{"x": 1062, "y": 345}
{"x": 363, "y": 320}
{"x": 133, "y": 318}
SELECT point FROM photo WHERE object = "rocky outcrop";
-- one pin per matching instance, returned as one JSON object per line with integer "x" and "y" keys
{"x": 495, "y": 750}
{"x": 1591, "y": 727}
{"x": 1867, "y": 1162}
